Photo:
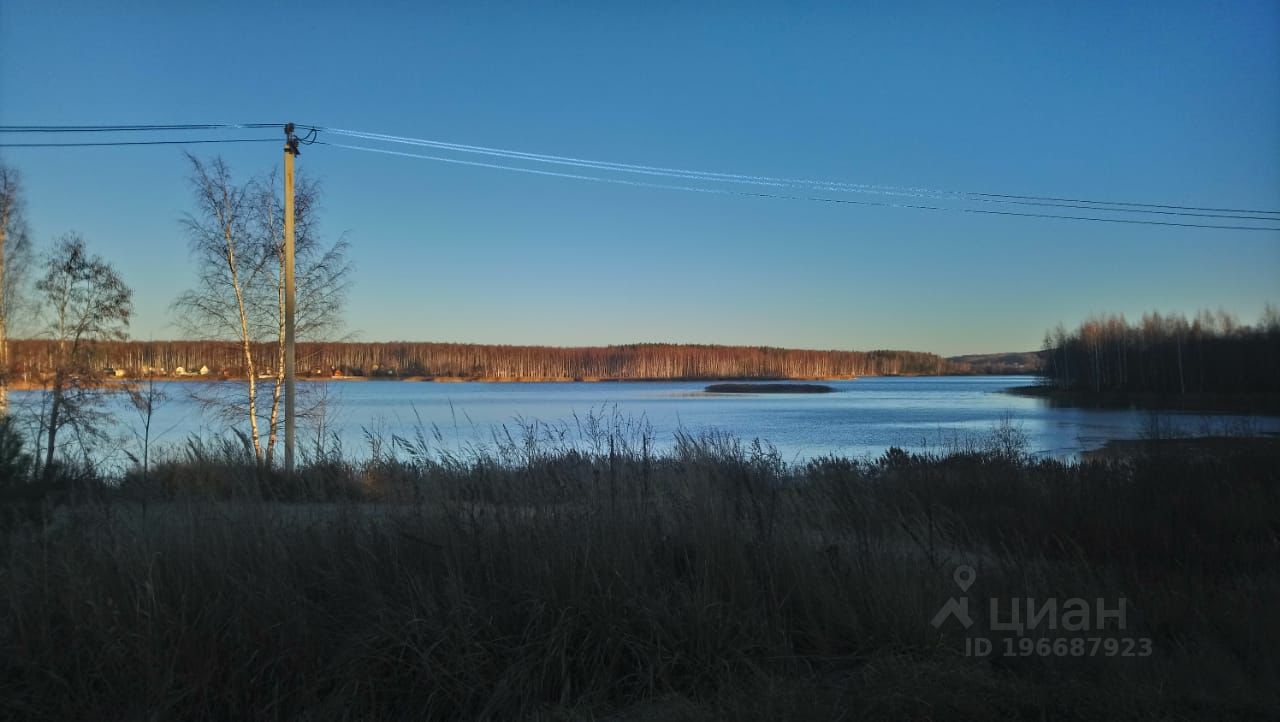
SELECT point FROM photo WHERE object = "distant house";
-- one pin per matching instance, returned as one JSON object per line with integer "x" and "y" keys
{"x": 204, "y": 370}
{"x": 180, "y": 371}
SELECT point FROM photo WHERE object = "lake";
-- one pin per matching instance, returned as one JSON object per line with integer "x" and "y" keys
{"x": 864, "y": 416}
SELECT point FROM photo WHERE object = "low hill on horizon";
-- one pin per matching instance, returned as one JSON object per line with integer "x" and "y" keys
{"x": 1011, "y": 362}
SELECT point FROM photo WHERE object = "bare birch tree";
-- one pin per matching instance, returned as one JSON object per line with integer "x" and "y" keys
{"x": 228, "y": 264}
{"x": 84, "y": 302}
{"x": 236, "y": 238}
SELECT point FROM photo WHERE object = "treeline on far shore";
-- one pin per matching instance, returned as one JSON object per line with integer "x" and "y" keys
{"x": 1211, "y": 353}
{"x": 138, "y": 359}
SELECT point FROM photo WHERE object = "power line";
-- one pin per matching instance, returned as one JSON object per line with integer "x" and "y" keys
{"x": 134, "y": 128}
{"x": 1141, "y": 205}
{"x": 138, "y": 142}
{"x": 818, "y": 199}
{"x": 837, "y": 186}
{"x": 1105, "y": 206}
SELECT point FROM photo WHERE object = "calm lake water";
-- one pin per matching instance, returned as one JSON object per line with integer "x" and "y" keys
{"x": 864, "y": 416}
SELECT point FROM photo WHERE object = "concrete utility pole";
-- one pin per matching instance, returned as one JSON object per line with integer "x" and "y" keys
{"x": 290, "y": 371}
{"x": 4, "y": 317}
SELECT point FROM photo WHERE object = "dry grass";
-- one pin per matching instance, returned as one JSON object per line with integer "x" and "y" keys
{"x": 576, "y": 576}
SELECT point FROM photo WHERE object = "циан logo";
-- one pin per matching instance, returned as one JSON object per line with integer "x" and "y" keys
{"x": 958, "y": 608}
{"x": 1027, "y": 626}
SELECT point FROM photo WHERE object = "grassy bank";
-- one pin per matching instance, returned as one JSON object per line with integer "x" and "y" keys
{"x": 1241, "y": 403}
{"x": 549, "y": 577}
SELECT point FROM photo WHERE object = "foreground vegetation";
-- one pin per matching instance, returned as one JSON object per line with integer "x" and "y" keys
{"x": 576, "y": 574}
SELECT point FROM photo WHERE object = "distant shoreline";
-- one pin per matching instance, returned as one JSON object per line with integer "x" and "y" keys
{"x": 19, "y": 385}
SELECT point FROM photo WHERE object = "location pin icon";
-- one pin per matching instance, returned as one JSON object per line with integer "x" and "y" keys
{"x": 964, "y": 576}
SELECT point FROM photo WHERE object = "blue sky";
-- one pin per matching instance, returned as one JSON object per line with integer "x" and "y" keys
{"x": 1162, "y": 102}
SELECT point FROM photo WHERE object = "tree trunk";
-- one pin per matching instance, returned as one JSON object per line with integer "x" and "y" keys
{"x": 274, "y": 429}
{"x": 1182, "y": 384}
{"x": 247, "y": 344}
{"x": 55, "y": 407}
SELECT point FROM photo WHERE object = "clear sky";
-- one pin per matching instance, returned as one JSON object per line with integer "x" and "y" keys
{"x": 1164, "y": 102}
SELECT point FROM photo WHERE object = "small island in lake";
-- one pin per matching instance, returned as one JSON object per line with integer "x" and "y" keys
{"x": 768, "y": 389}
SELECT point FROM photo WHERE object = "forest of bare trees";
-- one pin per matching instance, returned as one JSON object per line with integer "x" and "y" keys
{"x": 475, "y": 361}
{"x": 1211, "y": 353}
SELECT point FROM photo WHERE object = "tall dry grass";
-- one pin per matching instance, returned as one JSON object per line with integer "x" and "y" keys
{"x": 575, "y": 573}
